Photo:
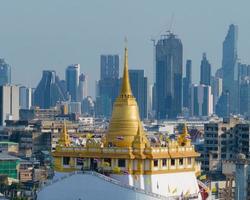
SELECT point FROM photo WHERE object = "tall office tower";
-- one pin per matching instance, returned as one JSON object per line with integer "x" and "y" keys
{"x": 205, "y": 71}
{"x": 74, "y": 107}
{"x": 72, "y": 80}
{"x": 216, "y": 84}
{"x": 243, "y": 71}
{"x": 139, "y": 86}
{"x": 222, "y": 106}
{"x": 108, "y": 85}
{"x": 229, "y": 67}
{"x": 201, "y": 100}
{"x": 219, "y": 73}
{"x": 9, "y": 103}
{"x": 169, "y": 53}
{"x": 109, "y": 67}
{"x": 187, "y": 82}
{"x": 244, "y": 94}
{"x": 103, "y": 106}
{"x": 49, "y": 91}
{"x": 82, "y": 88}
{"x": 150, "y": 101}
{"x": 25, "y": 97}
{"x": 5, "y": 73}
{"x": 154, "y": 99}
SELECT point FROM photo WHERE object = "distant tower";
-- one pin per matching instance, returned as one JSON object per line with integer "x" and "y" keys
{"x": 49, "y": 91}
{"x": 72, "y": 80}
{"x": 25, "y": 97}
{"x": 9, "y": 103}
{"x": 108, "y": 85}
{"x": 187, "y": 82}
{"x": 82, "y": 88}
{"x": 109, "y": 67}
{"x": 5, "y": 73}
{"x": 169, "y": 53}
{"x": 229, "y": 67}
{"x": 201, "y": 100}
{"x": 139, "y": 85}
{"x": 222, "y": 106}
{"x": 205, "y": 71}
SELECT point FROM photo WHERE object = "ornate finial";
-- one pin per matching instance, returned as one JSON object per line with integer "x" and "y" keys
{"x": 126, "y": 89}
{"x": 64, "y": 138}
{"x": 126, "y": 41}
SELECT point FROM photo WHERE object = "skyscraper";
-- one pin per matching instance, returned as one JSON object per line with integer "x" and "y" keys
{"x": 244, "y": 94}
{"x": 187, "y": 82}
{"x": 222, "y": 106}
{"x": 25, "y": 97}
{"x": 109, "y": 67}
{"x": 9, "y": 103}
{"x": 169, "y": 54}
{"x": 49, "y": 91}
{"x": 216, "y": 89}
{"x": 229, "y": 67}
{"x": 205, "y": 71}
{"x": 72, "y": 80}
{"x": 82, "y": 88}
{"x": 201, "y": 100}
{"x": 5, "y": 73}
{"x": 108, "y": 85}
{"x": 139, "y": 86}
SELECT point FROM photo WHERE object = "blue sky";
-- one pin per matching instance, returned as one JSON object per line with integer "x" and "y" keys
{"x": 51, "y": 34}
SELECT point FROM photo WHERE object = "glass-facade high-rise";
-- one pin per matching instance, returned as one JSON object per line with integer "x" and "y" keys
{"x": 82, "y": 88}
{"x": 169, "y": 53}
{"x": 205, "y": 72}
{"x": 49, "y": 91}
{"x": 187, "y": 82}
{"x": 229, "y": 67}
{"x": 25, "y": 97}
{"x": 139, "y": 86}
{"x": 72, "y": 81}
{"x": 5, "y": 73}
{"x": 109, "y": 67}
{"x": 108, "y": 85}
{"x": 201, "y": 100}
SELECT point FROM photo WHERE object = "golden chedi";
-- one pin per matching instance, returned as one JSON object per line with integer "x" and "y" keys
{"x": 125, "y": 117}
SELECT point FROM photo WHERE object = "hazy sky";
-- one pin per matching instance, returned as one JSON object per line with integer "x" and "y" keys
{"x": 51, "y": 34}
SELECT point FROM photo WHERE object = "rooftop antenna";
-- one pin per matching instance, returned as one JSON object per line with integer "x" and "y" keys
{"x": 171, "y": 23}
{"x": 126, "y": 41}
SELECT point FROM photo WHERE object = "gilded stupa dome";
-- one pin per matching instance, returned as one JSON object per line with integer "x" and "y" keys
{"x": 125, "y": 116}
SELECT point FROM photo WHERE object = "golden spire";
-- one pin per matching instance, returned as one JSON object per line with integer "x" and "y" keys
{"x": 123, "y": 125}
{"x": 64, "y": 138}
{"x": 140, "y": 140}
{"x": 126, "y": 89}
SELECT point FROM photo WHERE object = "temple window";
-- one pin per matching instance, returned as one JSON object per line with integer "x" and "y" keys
{"x": 164, "y": 162}
{"x": 66, "y": 160}
{"x": 189, "y": 161}
{"x": 181, "y": 161}
{"x": 172, "y": 162}
{"x": 121, "y": 163}
{"x": 155, "y": 163}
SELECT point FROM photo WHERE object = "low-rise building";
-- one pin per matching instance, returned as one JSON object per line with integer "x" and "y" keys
{"x": 9, "y": 165}
{"x": 222, "y": 141}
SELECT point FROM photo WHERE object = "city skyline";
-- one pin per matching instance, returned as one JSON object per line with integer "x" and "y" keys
{"x": 54, "y": 41}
